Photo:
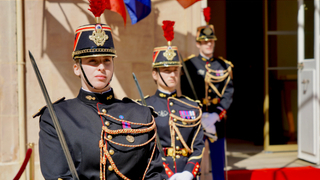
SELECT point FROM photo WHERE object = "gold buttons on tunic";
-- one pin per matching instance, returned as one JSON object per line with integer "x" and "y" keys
{"x": 130, "y": 138}
{"x": 173, "y": 111}
{"x": 209, "y": 65}
{"x": 111, "y": 152}
{"x": 104, "y": 111}
{"x": 109, "y": 137}
{"x": 177, "y": 156}
{"x": 110, "y": 168}
{"x": 177, "y": 147}
{"x": 107, "y": 123}
{"x": 177, "y": 138}
{"x": 209, "y": 97}
{"x": 209, "y": 90}
{"x": 215, "y": 100}
{"x": 171, "y": 103}
{"x": 174, "y": 119}
{"x": 184, "y": 123}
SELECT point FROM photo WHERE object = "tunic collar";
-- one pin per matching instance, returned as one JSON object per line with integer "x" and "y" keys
{"x": 94, "y": 98}
{"x": 205, "y": 59}
{"x": 165, "y": 95}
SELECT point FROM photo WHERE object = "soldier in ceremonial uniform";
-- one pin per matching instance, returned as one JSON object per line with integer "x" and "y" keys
{"x": 211, "y": 79}
{"x": 179, "y": 118}
{"x": 107, "y": 138}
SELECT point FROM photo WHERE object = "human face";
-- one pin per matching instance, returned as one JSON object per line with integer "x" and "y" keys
{"x": 206, "y": 48}
{"x": 99, "y": 71}
{"x": 170, "y": 75}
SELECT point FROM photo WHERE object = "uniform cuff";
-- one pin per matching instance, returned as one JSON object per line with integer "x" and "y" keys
{"x": 221, "y": 112}
{"x": 193, "y": 168}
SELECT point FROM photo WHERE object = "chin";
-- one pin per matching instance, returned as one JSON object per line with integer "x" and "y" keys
{"x": 100, "y": 86}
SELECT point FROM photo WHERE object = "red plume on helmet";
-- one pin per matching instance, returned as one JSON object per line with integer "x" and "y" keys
{"x": 166, "y": 56}
{"x": 97, "y": 7}
{"x": 168, "y": 31}
{"x": 207, "y": 14}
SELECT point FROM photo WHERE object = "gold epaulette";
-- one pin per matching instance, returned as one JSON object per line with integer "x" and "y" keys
{"x": 44, "y": 107}
{"x": 190, "y": 57}
{"x": 226, "y": 61}
{"x": 197, "y": 101}
{"x": 145, "y": 97}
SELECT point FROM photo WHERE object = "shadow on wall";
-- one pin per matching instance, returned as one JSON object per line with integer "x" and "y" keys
{"x": 134, "y": 45}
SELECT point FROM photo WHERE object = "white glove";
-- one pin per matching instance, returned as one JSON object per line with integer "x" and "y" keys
{"x": 174, "y": 177}
{"x": 208, "y": 120}
{"x": 185, "y": 175}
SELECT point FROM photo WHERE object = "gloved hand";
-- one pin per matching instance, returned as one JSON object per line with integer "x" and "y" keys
{"x": 208, "y": 120}
{"x": 185, "y": 175}
{"x": 174, "y": 177}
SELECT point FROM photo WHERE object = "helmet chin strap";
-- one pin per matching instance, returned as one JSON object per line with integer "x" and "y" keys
{"x": 85, "y": 77}
{"x": 161, "y": 77}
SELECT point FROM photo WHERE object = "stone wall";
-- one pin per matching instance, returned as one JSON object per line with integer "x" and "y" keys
{"x": 9, "y": 136}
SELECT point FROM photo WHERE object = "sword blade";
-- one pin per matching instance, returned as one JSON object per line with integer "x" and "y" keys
{"x": 139, "y": 89}
{"x": 145, "y": 103}
{"x": 54, "y": 119}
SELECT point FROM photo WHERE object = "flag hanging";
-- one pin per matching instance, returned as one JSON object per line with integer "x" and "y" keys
{"x": 138, "y": 9}
{"x": 187, "y": 3}
{"x": 118, "y": 7}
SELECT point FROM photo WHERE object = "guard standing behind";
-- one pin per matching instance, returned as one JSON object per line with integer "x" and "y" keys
{"x": 107, "y": 138}
{"x": 178, "y": 121}
{"x": 212, "y": 81}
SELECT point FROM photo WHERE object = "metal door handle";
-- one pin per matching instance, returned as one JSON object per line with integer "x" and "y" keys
{"x": 300, "y": 66}
{"x": 305, "y": 83}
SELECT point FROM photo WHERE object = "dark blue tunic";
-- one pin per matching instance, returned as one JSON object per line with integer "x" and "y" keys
{"x": 82, "y": 125}
{"x": 193, "y": 136}
{"x": 197, "y": 71}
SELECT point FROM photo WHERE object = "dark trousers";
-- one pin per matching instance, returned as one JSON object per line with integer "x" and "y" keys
{"x": 217, "y": 155}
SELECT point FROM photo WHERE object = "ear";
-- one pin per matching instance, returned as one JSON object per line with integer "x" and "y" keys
{"x": 76, "y": 69}
{"x": 198, "y": 44}
{"x": 155, "y": 75}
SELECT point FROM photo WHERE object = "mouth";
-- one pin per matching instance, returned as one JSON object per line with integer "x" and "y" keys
{"x": 101, "y": 77}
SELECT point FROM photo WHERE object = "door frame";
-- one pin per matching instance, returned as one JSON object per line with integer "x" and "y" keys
{"x": 266, "y": 128}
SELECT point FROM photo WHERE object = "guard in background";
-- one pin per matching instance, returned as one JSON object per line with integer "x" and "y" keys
{"x": 179, "y": 118}
{"x": 107, "y": 138}
{"x": 211, "y": 79}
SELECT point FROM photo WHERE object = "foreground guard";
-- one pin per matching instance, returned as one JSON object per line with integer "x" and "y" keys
{"x": 178, "y": 121}
{"x": 212, "y": 80}
{"x": 107, "y": 138}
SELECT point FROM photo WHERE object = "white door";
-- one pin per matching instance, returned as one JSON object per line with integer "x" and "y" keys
{"x": 308, "y": 81}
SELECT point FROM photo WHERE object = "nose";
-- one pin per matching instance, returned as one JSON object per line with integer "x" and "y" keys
{"x": 172, "y": 73}
{"x": 101, "y": 66}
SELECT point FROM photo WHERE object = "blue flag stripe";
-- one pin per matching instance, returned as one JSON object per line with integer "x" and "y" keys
{"x": 138, "y": 9}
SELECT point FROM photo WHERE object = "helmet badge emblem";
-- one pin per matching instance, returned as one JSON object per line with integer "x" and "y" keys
{"x": 98, "y": 36}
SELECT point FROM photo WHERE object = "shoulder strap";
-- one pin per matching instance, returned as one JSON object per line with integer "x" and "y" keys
{"x": 189, "y": 57}
{"x": 41, "y": 110}
{"x": 226, "y": 61}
